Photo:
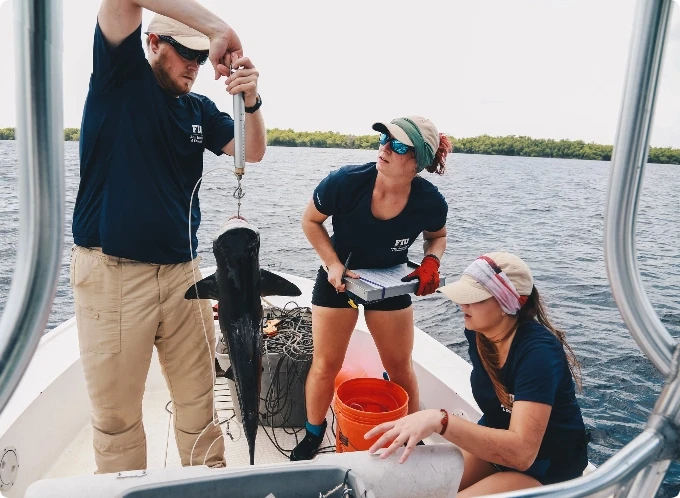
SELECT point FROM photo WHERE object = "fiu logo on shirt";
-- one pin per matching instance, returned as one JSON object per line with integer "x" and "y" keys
{"x": 506, "y": 409}
{"x": 401, "y": 245}
{"x": 196, "y": 136}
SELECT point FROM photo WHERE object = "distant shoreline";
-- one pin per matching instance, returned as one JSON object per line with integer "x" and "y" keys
{"x": 484, "y": 144}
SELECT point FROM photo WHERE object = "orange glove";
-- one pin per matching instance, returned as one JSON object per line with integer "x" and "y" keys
{"x": 428, "y": 275}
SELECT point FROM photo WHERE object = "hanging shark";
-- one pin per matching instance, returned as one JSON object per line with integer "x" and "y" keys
{"x": 237, "y": 285}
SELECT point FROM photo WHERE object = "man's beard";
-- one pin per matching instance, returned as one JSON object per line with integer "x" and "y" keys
{"x": 165, "y": 80}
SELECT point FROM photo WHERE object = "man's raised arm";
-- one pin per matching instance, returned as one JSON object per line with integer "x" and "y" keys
{"x": 119, "y": 18}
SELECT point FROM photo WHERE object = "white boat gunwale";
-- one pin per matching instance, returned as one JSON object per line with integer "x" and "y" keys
{"x": 51, "y": 407}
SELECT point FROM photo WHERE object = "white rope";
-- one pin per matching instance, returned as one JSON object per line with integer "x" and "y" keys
{"x": 214, "y": 421}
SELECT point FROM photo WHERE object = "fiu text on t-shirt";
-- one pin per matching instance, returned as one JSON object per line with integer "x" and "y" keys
{"x": 345, "y": 194}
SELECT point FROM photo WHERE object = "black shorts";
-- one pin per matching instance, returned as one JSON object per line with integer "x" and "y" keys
{"x": 324, "y": 294}
{"x": 570, "y": 463}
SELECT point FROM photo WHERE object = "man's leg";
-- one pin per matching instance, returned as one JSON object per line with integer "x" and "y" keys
{"x": 117, "y": 315}
{"x": 186, "y": 348}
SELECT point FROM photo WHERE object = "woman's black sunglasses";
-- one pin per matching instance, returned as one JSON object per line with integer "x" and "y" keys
{"x": 188, "y": 53}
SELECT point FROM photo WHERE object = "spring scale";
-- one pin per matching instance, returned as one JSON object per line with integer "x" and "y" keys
{"x": 239, "y": 146}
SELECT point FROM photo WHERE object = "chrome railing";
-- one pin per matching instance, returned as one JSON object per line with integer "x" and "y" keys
{"x": 625, "y": 183}
{"x": 40, "y": 147}
{"x": 638, "y": 469}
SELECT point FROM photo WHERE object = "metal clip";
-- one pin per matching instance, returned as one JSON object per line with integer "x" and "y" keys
{"x": 239, "y": 194}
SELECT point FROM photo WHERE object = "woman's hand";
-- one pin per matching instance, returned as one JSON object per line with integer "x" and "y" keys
{"x": 409, "y": 430}
{"x": 427, "y": 274}
{"x": 335, "y": 272}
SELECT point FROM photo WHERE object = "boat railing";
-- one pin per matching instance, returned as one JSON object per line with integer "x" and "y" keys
{"x": 637, "y": 470}
{"x": 40, "y": 150}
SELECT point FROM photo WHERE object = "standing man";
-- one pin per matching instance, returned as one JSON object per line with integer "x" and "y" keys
{"x": 142, "y": 140}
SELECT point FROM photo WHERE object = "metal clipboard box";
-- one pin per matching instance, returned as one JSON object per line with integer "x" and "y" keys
{"x": 376, "y": 284}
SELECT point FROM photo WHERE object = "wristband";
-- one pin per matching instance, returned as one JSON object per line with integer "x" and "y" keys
{"x": 445, "y": 421}
{"x": 258, "y": 104}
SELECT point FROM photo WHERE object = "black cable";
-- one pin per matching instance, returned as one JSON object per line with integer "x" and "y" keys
{"x": 293, "y": 345}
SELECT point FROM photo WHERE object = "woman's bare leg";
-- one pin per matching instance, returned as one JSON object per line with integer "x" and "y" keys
{"x": 392, "y": 332}
{"x": 331, "y": 331}
{"x": 475, "y": 469}
{"x": 499, "y": 482}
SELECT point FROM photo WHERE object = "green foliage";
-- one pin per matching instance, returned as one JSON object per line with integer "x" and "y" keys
{"x": 71, "y": 134}
{"x": 664, "y": 155}
{"x": 6, "y": 133}
{"x": 323, "y": 139}
{"x": 484, "y": 144}
{"x": 530, "y": 147}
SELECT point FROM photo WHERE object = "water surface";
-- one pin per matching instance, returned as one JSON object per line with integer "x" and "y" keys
{"x": 548, "y": 211}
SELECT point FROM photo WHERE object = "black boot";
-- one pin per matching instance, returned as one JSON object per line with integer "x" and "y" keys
{"x": 307, "y": 448}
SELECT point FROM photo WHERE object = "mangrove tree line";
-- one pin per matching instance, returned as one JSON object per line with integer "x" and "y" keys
{"x": 484, "y": 144}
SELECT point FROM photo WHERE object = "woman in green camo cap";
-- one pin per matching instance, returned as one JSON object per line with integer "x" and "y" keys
{"x": 379, "y": 209}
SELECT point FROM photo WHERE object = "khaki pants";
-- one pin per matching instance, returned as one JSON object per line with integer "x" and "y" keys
{"x": 123, "y": 308}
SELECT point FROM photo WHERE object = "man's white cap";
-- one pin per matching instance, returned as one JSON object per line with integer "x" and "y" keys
{"x": 181, "y": 33}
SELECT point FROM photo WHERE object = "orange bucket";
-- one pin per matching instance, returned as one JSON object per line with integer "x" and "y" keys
{"x": 349, "y": 371}
{"x": 360, "y": 405}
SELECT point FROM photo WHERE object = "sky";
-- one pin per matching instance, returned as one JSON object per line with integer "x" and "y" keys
{"x": 541, "y": 68}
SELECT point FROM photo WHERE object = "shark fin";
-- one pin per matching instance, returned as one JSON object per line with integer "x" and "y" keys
{"x": 207, "y": 289}
{"x": 272, "y": 284}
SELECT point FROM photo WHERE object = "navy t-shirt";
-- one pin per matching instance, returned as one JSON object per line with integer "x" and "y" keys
{"x": 141, "y": 153}
{"x": 346, "y": 193}
{"x": 536, "y": 370}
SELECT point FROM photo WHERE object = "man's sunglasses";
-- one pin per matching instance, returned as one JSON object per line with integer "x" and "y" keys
{"x": 188, "y": 53}
{"x": 397, "y": 146}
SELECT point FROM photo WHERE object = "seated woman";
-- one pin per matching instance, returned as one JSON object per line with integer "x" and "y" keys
{"x": 378, "y": 211}
{"x": 531, "y": 431}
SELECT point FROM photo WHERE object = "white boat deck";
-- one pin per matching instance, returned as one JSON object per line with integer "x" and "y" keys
{"x": 78, "y": 457}
{"x": 48, "y": 421}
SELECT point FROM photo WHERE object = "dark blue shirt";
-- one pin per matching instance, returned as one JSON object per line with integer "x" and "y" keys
{"x": 536, "y": 370}
{"x": 141, "y": 153}
{"x": 345, "y": 194}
